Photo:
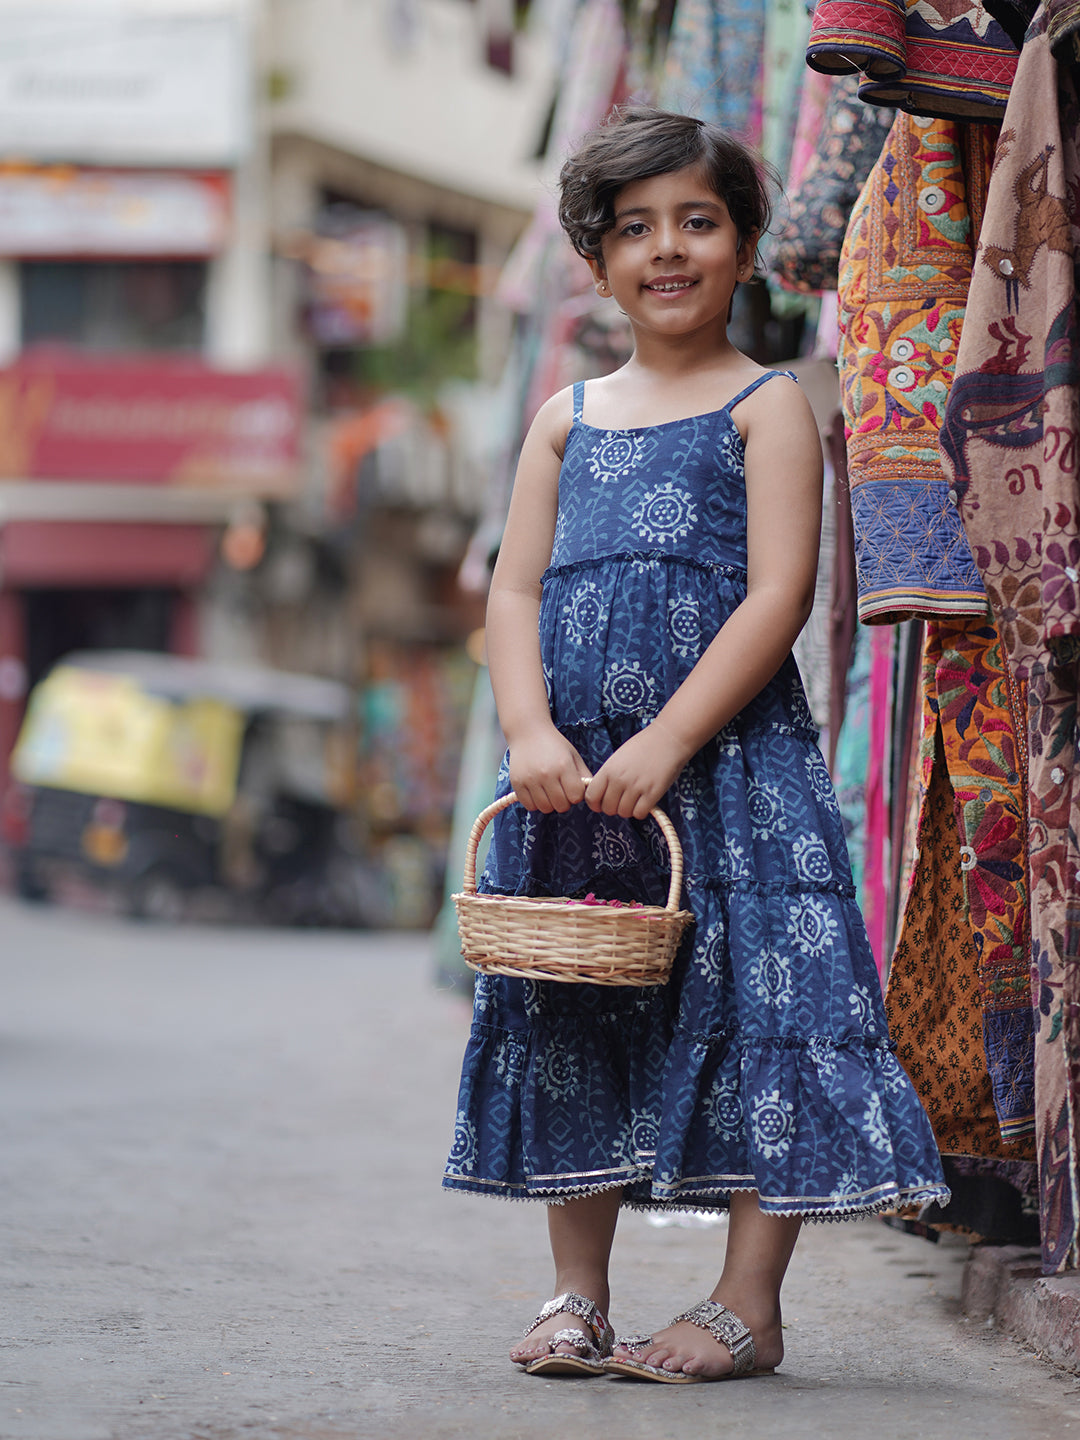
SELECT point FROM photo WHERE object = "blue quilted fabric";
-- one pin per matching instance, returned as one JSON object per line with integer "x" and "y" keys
{"x": 765, "y": 1062}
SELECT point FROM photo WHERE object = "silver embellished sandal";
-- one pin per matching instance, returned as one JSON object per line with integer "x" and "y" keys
{"x": 721, "y": 1324}
{"x": 592, "y": 1344}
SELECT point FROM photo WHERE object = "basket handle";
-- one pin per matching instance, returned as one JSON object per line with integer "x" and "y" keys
{"x": 485, "y": 817}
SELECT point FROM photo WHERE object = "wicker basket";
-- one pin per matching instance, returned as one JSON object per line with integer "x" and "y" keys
{"x": 555, "y": 939}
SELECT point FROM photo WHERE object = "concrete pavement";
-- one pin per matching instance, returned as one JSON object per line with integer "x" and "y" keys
{"x": 220, "y": 1220}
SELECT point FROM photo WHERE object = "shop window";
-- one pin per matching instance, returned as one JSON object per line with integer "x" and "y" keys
{"x": 114, "y": 305}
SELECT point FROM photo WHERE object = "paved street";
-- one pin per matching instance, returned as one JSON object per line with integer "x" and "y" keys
{"x": 221, "y": 1218}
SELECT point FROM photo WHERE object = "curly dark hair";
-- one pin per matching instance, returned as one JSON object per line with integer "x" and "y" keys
{"x": 637, "y": 142}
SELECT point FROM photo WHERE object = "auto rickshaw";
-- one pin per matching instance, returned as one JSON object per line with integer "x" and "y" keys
{"x": 158, "y": 778}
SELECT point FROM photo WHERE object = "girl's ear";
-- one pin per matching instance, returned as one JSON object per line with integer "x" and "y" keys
{"x": 599, "y": 275}
{"x": 746, "y": 255}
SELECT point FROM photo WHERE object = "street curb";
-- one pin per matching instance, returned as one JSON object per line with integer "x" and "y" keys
{"x": 1005, "y": 1283}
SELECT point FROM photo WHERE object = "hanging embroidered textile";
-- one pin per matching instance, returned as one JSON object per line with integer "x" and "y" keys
{"x": 946, "y": 58}
{"x": 849, "y": 140}
{"x": 904, "y": 274}
{"x": 1010, "y": 440}
{"x": 933, "y": 1010}
{"x": 969, "y": 702}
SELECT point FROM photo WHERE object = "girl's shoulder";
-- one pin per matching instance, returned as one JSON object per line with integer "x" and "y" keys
{"x": 764, "y": 396}
{"x": 553, "y": 420}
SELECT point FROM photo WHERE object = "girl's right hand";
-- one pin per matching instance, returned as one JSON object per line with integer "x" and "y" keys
{"x": 546, "y": 772}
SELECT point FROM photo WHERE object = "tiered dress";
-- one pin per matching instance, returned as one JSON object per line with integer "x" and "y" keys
{"x": 765, "y": 1062}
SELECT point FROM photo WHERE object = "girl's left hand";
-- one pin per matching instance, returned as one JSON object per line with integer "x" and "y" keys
{"x": 637, "y": 776}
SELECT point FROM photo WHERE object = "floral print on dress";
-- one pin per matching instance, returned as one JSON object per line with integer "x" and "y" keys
{"x": 664, "y": 514}
{"x": 585, "y": 613}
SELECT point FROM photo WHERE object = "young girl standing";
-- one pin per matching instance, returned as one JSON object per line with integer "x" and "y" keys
{"x": 658, "y": 563}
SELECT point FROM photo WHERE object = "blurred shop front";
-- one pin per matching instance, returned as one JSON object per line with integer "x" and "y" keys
{"x": 139, "y": 421}
{"x": 117, "y": 480}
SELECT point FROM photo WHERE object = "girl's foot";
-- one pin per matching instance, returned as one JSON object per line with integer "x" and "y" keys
{"x": 592, "y": 1325}
{"x": 693, "y": 1350}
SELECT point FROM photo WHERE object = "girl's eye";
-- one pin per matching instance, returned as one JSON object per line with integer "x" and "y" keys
{"x": 635, "y": 228}
{"x": 700, "y": 222}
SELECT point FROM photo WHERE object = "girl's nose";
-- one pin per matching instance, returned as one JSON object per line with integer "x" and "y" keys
{"x": 668, "y": 241}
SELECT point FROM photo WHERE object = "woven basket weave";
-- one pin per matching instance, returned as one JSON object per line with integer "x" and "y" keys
{"x": 556, "y": 939}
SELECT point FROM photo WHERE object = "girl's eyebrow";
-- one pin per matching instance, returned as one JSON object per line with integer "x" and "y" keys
{"x": 682, "y": 205}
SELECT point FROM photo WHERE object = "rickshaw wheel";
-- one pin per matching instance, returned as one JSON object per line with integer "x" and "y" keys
{"x": 158, "y": 896}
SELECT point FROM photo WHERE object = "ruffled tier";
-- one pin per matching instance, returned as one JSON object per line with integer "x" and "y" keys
{"x": 819, "y": 1128}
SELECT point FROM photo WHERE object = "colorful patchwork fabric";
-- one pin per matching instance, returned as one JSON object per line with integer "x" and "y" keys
{"x": 849, "y": 140}
{"x": 1011, "y": 439}
{"x": 904, "y": 274}
{"x": 945, "y": 58}
{"x": 970, "y": 704}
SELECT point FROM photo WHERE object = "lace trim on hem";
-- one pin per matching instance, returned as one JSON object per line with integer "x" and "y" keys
{"x": 647, "y": 557}
{"x": 550, "y": 1194}
{"x": 831, "y": 1210}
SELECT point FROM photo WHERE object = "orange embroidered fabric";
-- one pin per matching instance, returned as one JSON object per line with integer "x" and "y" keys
{"x": 933, "y": 999}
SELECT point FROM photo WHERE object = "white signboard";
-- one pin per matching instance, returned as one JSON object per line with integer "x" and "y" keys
{"x": 116, "y": 84}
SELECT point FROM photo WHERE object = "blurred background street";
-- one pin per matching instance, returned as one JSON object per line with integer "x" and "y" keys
{"x": 221, "y": 1218}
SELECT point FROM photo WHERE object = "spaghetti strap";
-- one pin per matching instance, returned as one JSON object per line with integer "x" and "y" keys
{"x": 579, "y": 399}
{"x": 749, "y": 389}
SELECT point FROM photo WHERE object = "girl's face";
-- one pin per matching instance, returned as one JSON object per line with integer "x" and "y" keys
{"x": 673, "y": 256}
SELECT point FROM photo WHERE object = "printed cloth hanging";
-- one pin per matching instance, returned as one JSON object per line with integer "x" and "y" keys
{"x": 904, "y": 274}
{"x": 1010, "y": 440}
{"x": 787, "y": 26}
{"x": 850, "y": 134}
{"x": 713, "y": 63}
{"x": 945, "y": 58}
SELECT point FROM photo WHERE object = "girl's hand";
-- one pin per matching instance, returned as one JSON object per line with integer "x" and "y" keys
{"x": 546, "y": 772}
{"x": 640, "y": 772}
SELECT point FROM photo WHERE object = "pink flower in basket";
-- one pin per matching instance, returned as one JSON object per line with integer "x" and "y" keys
{"x": 591, "y": 899}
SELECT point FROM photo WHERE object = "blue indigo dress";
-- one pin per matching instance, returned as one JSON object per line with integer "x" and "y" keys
{"x": 765, "y": 1062}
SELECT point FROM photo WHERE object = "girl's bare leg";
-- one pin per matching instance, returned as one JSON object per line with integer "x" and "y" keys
{"x": 759, "y": 1247}
{"x": 580, "y": 1233}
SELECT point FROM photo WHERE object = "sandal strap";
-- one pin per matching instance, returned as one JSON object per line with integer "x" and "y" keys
{"x": 578, "y": 1339}
{"x": 585, "y": 1309}
{"x": 726, "y": 1327}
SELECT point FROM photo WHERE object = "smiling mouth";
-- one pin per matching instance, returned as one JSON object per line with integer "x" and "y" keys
{"x": 669, "y": 287}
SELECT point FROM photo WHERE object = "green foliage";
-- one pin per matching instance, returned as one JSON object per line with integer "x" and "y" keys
{"x": 439, "y": 344}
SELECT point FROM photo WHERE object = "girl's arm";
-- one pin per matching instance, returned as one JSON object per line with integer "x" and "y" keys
{"x": 545, "y": 769}
{"x": 783, "y": 498}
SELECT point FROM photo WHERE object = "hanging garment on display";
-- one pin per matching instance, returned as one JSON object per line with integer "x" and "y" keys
{"x": 813, "y": 97}
{"x": 934, "y": 1010}
{"x": 970, "y": 703}
{"x": 850, "y": 136}
{"x": 787, "y": 26}
{"x": 713, "y": 64}
{"x": 904, "y": 274}
{"x": 1010, "y": 441}
{"x": 951, "y": 60}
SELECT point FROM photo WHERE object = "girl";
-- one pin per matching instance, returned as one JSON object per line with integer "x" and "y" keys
{"x": 657, "y": 565}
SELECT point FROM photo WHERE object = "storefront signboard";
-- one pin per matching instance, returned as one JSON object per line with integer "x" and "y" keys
{"x": 109, "y": 82}
{"x": 161, "y": 421}
{"x": 65, "y": 211}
